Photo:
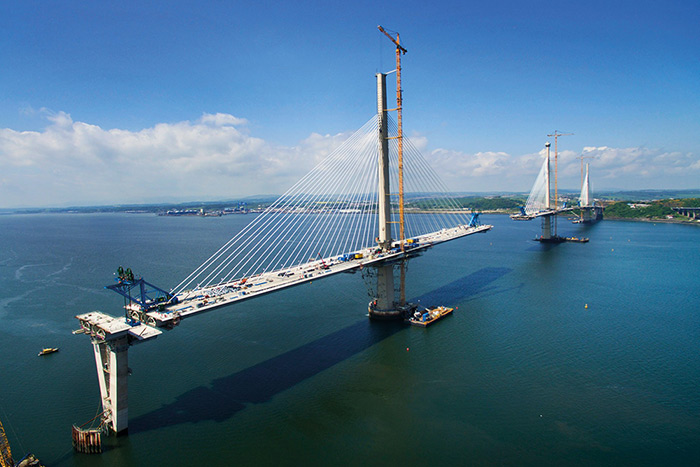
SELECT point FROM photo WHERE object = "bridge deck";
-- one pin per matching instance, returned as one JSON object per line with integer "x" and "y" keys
{"x": 549, "y": 212}
{"x": 103, "y": 326}
{"x": 200, "y": 300}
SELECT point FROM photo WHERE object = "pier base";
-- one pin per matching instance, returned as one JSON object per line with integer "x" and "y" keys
{"x": 590, "y": 214}
{"x": 385, "y": 315}
{"x": 384, "y": 307}
{"x": 111, "y": 338}
{"x": 546, "y": 227}
{"x": 586, "y": 216}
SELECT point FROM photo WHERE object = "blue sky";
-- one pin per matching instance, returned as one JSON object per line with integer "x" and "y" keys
{"x": 120, "y": 102}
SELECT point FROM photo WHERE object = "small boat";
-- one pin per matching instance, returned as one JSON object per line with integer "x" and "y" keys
{"x": 48, "y": 350}
{"x": 429, "y": 315}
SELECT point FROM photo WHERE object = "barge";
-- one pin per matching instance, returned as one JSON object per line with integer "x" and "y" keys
{"x": 429, "y": 316}
{"x": 557, "y": 239}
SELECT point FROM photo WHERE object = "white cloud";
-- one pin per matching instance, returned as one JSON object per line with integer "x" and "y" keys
{"x": 59, "y": 119}
{"x": 644, "y": 164}
{"x": 419, "y": 141}
{"x": 459, "y": 165}
{"x": 215, "y": 157}
{"x": 611, "y": 168}
{"x": 220, "y": 119}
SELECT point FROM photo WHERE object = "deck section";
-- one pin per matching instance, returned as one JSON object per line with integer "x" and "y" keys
{"x": 105, "y": 327}
{"x": 200, "y": 300}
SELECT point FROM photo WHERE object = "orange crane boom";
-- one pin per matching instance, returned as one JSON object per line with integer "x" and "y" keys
{"x": 395, "y": 41}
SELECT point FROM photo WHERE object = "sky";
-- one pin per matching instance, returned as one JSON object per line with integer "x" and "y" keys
{"x": 125, "y": 102}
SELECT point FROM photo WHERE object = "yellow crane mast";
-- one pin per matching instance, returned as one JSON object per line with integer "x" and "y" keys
{"x": 556, "y": 135}
{"x": 582, "y": 157}
{"x": 399, "y": 104}
{"x": 399, "y": 101}
{"x": 5, "y": 454}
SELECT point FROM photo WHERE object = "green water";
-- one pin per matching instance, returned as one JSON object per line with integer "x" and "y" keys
{"x": 523, "y": 373}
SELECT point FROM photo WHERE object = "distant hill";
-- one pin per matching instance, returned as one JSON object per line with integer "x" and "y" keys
{"x": 659, "y": 209}
{"x": 476, "y": 203}
{"x": 500, "y": 201}
{"x": 647, "y": 195}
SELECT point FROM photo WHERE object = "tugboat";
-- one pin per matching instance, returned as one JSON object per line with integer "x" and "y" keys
{"x": 48, "y": 350}
{"x": 429, "y": 315}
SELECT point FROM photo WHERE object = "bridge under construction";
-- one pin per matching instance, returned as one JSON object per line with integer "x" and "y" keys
{"x": 541, "y": 205}
{"x": 338, "y": 218}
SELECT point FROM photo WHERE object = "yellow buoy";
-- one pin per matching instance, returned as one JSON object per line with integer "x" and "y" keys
{"x": 586, "y": 305}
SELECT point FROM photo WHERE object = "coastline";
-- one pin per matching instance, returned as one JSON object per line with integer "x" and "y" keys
{"x": 631, "y": 219}
{"x": 660, "y": 221}
{"x": 682, "y": 221}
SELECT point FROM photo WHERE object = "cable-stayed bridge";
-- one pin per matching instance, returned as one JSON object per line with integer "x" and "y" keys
{"x": 540, "y": 203}
{"x": 348, "y": 213}
{"x": 325, "y": 224}
{"x": 590, "y": 212}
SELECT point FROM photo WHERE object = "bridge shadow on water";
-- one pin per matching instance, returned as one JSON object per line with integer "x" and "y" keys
{"x": 227, "y": 395}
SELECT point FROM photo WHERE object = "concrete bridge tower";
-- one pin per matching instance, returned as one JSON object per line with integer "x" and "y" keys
{"x": 547, "y": 220}
{"x": 385, "y": 306}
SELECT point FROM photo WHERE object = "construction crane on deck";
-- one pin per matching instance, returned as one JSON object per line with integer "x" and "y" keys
{"x": 556, "y": 135}
{"x": 399, "y": 136}
{"x": 5, "y": 453}
{"x": 399, "y": 101}
{"x": 582, "y": 157}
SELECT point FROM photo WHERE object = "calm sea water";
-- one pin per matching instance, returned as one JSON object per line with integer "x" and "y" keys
{"x": 577, "y": 354}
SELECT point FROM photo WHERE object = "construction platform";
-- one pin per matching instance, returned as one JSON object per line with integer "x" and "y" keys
{"x": 558, "y": 239}
{"x": 429, "y": 316}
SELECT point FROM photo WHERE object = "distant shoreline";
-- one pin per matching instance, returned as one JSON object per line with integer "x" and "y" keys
{"x": 661, "y": 221}
{"x": 682, "y": 221}
{"x": 632, "y": 219}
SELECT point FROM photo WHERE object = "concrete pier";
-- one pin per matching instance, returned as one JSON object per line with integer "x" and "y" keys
{"x": 111, "y": 338}
{"x": 112, "y": 360}
{"x": 693, "y": 213}
{"x": 385, "y": 306}
{"x": 547, "y": 227}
